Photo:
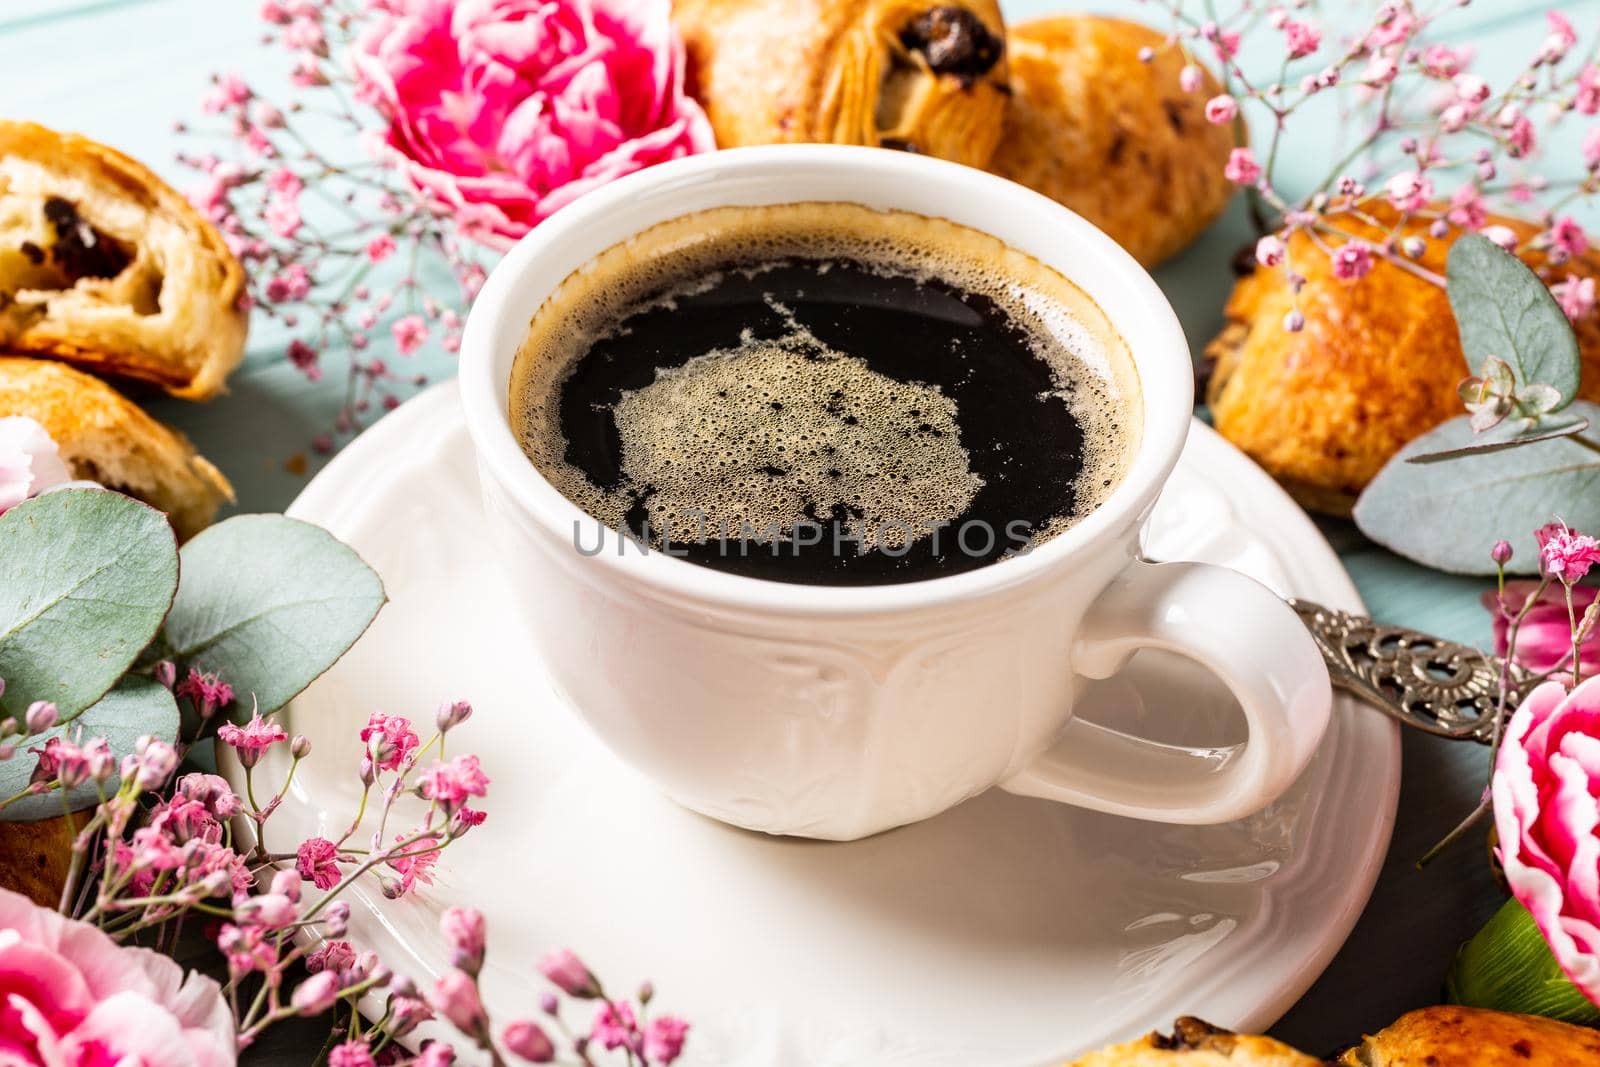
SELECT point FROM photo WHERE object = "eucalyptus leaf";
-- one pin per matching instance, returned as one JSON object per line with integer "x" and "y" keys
{"x": 1488, "y": 442}
{"x": 135, "y": 707}
{"x": 1449, "y": 517}
{"x": 86, "y": 576}
{"x": 1503, "y": 310}
{"x": 269, "y": 603}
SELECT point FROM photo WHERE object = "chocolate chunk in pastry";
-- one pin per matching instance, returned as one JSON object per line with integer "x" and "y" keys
{"x": 105, "y": 438}
{"x": 1115, "y": 139}
{"x": 104, "y": 264}
{"x": 1194, "y": 1043}
{"x": 1476, "y": 1037}
{"x": 908, "y": 74}
{"x": 1376, "y": 365}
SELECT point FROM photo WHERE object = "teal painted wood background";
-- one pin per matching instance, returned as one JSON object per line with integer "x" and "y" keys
{"x": 122, "y": 71}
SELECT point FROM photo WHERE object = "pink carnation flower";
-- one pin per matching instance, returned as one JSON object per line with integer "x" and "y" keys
{"x": 1352, "y": 261}
{"x": 614, "y": 1026}
{"x": 74, "y": 996}
{"x": 317, "y": 861}
{"x": 450, "y": 784}
{"x": 1545, "y": 636}
{"x": 1575, "y": 295}
{"x": 1301, "y": 38}
{"x": 389, "y": 739}
{"x": 1242, "y": 167}
{"x": 29, "y": 462}
{"x": 1545, "y": 784}
{"x": 1566, "y": 233}
{"x": 663, "y": 1038}
{"x": 1410, "y": 190}
{"x": 501, "y": 112}
{"x": 251, "y": 739}
{"x": 1565, "y": 554}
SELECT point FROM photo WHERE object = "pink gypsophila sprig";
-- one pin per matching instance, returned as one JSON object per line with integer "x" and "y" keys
{"x": 1439, "y": 146}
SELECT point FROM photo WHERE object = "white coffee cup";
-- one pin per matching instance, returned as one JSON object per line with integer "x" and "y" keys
{"x": 837, "y": 712}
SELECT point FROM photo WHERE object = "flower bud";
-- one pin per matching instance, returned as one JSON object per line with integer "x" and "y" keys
{"x": 1294, "y": 321}
{"x": 272, "y": 910}
{"x": 1501, "y": 552}
{"x": 336, "y": 919}
{"x": 403, "y": 986}
{"x": 287, "y": 884}
{"x": 455, "y": 996}
{"x": 647, "y": 992}
{"x": 1413, "y": 246}
{"x": 300, "y": 747}
{"x": 216, "y": 883}
{"x": 549, "y": 1004}
{"x": 8, "y": 727}
{"x": 40, "y": 716}
{"x": 453, "y": 714}
{"x": 7, "y": 750}
{"x": 316, "y": 994}
{"x": 526, "y": 1040}
{"x": 463, "y": 930}
{"x": 1190, "y": 78}
{"x": 166, "y": 673}
{"x": 569, "y": 974}
{"x": 407, "y": 1011}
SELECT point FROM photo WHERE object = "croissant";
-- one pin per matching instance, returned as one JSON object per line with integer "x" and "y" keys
{"x": 1432, "y": 1037}
{"x": 105, "y": 438}
{"x": 1112, "y": 137}
{"x": 912, "y": 74}
{"x": 1193, "y": 1043}
{"x": 104, "y": 264}
{"x": 1475, "y": 1037}
{"x": 1376, "y": 364}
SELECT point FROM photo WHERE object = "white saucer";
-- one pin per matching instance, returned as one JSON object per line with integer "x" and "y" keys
{"x": 1007, "y": 931}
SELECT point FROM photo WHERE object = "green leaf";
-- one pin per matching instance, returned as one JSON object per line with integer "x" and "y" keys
{"x": 86, "y": 576}
{"x": 1448, "y": 517}
{"x": 1508, "y": 966}
{"x": 1503, "y": 310}
{"x": 269, "y": 603}
{"x": 1515, "y": 437}
{"x": 137, "y": 706}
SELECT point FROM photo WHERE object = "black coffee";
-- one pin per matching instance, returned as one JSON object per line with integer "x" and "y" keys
{"x": 824, "y": 394}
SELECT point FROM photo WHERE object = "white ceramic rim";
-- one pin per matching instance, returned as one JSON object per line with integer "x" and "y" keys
{"x": 1016, "y": 215}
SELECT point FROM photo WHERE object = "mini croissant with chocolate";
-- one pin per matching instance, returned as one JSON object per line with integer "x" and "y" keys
{"x": 909, "y": 74}
{"x": 105, "y": 265}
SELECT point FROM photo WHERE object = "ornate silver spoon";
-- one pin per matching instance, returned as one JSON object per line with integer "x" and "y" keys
{"x": 1447, "y": 689}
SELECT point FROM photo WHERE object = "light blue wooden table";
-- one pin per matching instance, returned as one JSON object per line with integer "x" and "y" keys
{"x": 122, "y": 71}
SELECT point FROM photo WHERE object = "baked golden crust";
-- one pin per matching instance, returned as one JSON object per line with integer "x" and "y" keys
{"x": 105, "y": 437}
{"x": 1474, "y": 1037}
{"x": 1376, "y": 365}
{"x": 925, "y": 75}
{"x": 1113, "y": 138}
{"x": 104, "y": 264}
{"x": 1197, "y": 1044}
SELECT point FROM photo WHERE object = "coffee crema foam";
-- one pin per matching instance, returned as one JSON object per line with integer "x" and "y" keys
{"x": 789, "y": 429}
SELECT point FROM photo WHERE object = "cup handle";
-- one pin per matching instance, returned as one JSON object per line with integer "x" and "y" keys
{"x": 1242, "y": 632}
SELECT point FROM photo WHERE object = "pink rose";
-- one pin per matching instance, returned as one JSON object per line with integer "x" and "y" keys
{"x": 1545, "y": 636}
{"x": 1546, "y": 813}
{"x": 503, "y": 111}
{"x": 70, "y": 995}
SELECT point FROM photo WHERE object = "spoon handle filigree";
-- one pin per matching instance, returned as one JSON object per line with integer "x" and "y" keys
{"x": 1447, "y": 689}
